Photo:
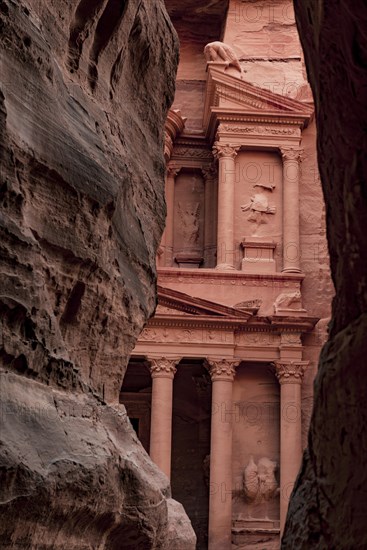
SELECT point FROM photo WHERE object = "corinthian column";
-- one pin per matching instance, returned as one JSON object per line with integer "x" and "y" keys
{"x": 222, "y": 373}
{"x": 290, "y": 376}
{"x": 163, "y": 371}
{"x": 167, "y": 238}
{"x": 226, "y": 155}
{"x": 210, "y": 216}
{"x": 291, "y": 243}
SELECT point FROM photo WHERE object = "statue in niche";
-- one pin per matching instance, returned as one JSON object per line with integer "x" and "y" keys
{"x": 259, "y": 482}
{"x": 218, "y": 51}
{"x": 259, "y": 206}
{"x": 288, "y": 299}
{"x": 189, "y": 222}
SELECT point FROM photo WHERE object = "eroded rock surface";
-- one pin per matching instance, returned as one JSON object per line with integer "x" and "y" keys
{"x": 85, "y": 88}
{"x": 328, "y": 506}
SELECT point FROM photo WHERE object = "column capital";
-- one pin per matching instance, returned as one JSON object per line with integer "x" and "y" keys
{"x": 222, "y": 369}
{"x": 163, "y": 367}
{"x": 225, "y": 150}
{"x": 209, "y": 173}
{"x": 172, "y": 170}
{"x": 290, "y": 372}
{"x": 291, "y": 153}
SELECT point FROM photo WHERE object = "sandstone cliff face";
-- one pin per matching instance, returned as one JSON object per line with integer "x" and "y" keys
{"x": 85, "y": 87}
{"x": 328, "y": 506}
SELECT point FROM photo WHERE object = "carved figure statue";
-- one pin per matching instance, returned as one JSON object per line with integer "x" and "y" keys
{"x": 218, "y": 51}
{"x": 259, "y": 481}
{"x": 258, "y": 207}
{"x": 287, "y": 299}
{"x": 189, "y": 222}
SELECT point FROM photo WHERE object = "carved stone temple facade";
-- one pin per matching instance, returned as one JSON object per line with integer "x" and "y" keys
{"x": 219, "y": 386}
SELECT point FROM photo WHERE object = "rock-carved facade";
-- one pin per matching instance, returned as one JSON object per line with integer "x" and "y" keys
{"x": 232, "y": 348}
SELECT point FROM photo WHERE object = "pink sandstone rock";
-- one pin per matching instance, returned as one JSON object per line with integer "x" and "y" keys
{"x": 85, "y": 89}
{"x": 329, "y": 503}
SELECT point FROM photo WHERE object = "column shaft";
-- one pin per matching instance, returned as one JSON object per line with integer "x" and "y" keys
{"x": 220, "y": 498}
{"x": 163, "y": 371}
{"x": 291, "y": 241}
{"x": 290, "y": 375}
{"x": 226, "y": 185}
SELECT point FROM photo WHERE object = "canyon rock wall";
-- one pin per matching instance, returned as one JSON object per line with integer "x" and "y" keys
{"x": 329, "y": 503}
{"x": 85, "y": 88}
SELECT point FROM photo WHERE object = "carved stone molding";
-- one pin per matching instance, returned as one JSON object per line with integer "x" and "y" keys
{"x": 225, "y": 150}
{"x": 222, "y": 369}
{"x": 291, "y": 154}
{"x": 290, "y": 372}
{"x": 163, "y": 367}
{"x": 259, "y": 130}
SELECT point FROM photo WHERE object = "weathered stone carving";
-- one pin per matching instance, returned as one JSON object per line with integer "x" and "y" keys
{"x": 222, "y": 368}
{"x": 290, "y": 372}
{"x": 218, "y": 51}
{"x": 163, "y": 366}
{"x": 259, "y": 206}
{"x": 287, "y": 299}
{"x": 259, "y": 481}
{"x": 189, "y": 222}
{"x": 222, "y": 150}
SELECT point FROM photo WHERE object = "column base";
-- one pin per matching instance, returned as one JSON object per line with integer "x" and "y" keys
{"x": 225, "y": 267}
{"x": 291, "y": 270}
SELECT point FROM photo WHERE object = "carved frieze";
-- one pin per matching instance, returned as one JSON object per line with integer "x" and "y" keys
{"x": 192, "y": 153}
{"x": 174, "y": 335}
{"x": 260, "y": 339}
{"x": 258, "y": 130}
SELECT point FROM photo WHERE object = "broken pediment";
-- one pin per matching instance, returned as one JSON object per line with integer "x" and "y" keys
{"x": 226, "y": 93}
{"x": 174, "y": 302}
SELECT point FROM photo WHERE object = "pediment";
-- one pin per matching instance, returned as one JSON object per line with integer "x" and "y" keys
{"x": 173, "y": 302}
{"x": 229, "y": 93}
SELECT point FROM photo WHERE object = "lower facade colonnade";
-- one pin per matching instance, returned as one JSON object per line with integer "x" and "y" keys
{"x": 223, "y": 487}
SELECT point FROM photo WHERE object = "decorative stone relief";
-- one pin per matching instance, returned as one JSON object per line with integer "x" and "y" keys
{"x": 191, "y": 153}
{"x": 163, "y": 366}
{"x": 221, "y": 52}
{"x": 259, "y": 206}
{"x": 290, "y": 372}
{"x": 287, "y": 299}
{"x": 259, "y": 481}
{"x": 189, "y": 222}
{"x": 259, "y": 130}
{"x": 290, "y": 339}
{"x": 257, "y": 339}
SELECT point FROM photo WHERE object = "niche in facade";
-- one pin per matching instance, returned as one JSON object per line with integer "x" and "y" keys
{"x": 188, "y": 235}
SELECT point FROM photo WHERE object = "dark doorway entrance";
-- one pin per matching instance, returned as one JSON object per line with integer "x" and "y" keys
{"x": 191, "y": 444}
